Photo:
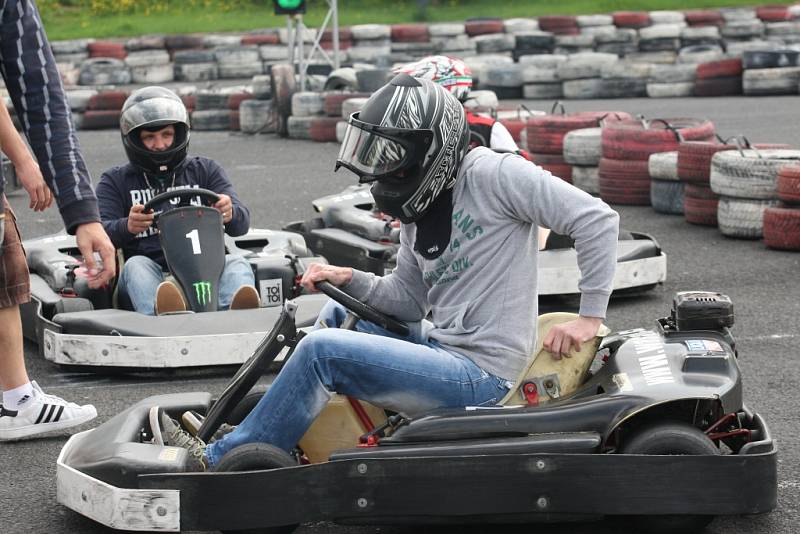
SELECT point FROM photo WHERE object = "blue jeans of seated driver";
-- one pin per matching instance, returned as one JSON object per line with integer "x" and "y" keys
{"x": 405, "y": 374}
{"x": 141, "y": 276}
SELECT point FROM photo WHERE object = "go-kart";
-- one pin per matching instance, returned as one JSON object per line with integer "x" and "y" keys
{"x": 94, "y": 329}
{"x": 349, "y": 232}
{"x": 646, "y": 424}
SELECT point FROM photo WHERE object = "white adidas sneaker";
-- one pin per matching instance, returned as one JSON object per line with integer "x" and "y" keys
{"x": 43, "y": 413}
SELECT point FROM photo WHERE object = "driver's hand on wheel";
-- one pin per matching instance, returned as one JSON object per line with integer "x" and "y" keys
{"x": 225, "y": 207}
{"x": 138, "y": 221}
{"x": 318, "y": 272}
{"x": 562, "y": 338}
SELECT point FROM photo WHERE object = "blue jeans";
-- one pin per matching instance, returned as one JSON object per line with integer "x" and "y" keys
{"x": 408, "y": 375}
{"x": 141, "y": 276}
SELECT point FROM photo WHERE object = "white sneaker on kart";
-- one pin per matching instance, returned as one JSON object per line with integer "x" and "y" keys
{"x": 43, "y": 413}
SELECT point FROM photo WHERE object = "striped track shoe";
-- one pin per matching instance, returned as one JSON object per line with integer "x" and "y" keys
{"x": 43, "y": 413}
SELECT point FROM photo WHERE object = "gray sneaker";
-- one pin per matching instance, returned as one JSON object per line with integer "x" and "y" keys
{"x": 172, "y": 435}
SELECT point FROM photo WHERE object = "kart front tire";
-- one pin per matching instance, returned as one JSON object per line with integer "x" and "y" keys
{"x": 251, "y": 457}
{"x": 670, "y": 438}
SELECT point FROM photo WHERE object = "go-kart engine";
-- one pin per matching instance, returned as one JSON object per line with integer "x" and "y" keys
{"x": 701, "y": 310}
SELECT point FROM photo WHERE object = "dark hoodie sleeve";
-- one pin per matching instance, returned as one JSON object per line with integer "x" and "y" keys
{"x": 219, "y": 182}
{"x": 113, "y": 210}
{"x": 34, "y": 85}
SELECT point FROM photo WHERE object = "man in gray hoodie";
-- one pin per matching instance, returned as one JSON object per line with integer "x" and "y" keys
{"x": 468, "y": 256}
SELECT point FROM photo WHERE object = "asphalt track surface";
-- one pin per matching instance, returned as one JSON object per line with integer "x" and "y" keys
{"x": 278, "y": 178}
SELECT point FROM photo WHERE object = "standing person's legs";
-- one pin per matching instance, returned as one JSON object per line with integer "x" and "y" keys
{"x": 26, "y": 410}
{"x": 139, "y": 282}
{"x": 391, "y": 373}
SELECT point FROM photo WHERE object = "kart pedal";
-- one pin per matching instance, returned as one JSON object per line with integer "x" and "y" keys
{"x": 192, "y": 421}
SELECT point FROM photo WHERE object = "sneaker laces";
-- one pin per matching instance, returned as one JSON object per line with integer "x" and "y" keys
{"x": 51, "y": 399}
{"x": 177, "y": 437}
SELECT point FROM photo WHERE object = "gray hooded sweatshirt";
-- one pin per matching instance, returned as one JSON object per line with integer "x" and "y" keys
{"x": 481, "y": 291}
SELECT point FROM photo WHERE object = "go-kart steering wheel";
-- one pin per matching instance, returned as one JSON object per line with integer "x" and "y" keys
{"x": 363, "y": 311}
{"x": 209, "y": 196}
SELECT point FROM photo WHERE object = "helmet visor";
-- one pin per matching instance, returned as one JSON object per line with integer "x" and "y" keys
{"x": 374, "y": 152}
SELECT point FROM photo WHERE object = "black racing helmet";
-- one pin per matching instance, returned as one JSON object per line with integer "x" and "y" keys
{"x": 153, "y": 108}
{"x": 408, "y": 140}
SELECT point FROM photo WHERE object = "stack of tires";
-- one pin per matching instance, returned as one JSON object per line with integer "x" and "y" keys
{"x": 409, "y": 42}
{"x": 782, "y": 223}
{"x": 195, "y": 65}
{"x": 238, "y": 61}
{"x": 103, "y": 110}
{"x": 559, "y": 24}
{"x": 306, "y": 106}
{"x": 666, "y": 189}
{"x": 539, "y": 75}
{"x": 581, "y": 74}
{"x": 627, "y": 146}
{"x": 218, "y": 109}
{"x": 621, "y": 42}
{"x": 104, "y": 71}
{"x": 451, "y": 39}
{"x": 349, "y": 106}
{"x": 595, "y": 24}
{"x": 719, "y": 78}
{"x": 73, "y": 51}
{"x": 78, "y": 102}
{"x": 545, "y": 138}
{"x": 256, "y": 114}
{"x": 583, "y": 150}
{"x": 150, "y": 67}
{"x": 771, "y": 72}
{"x": 371, "y": 44}
{"x": 694, "y": 170}
{"x": 746, "y": 181}
{"x": 667, "y": 81}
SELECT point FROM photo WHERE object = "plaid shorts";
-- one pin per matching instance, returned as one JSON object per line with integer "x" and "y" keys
{"x": 15, "y": 285}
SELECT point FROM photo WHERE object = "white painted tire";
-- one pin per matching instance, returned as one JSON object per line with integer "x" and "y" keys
{"x": 583, "y": 89}
{"x": 779, "y": 81}
{"x": 667, "y": 17}
{"x": 153, "y": 74}
{"x": 542, "y": 61}
{"x": 262, "y": 86}
{"x": 742, "y": 217}
{"x": 494, "y": 42}
{"x": 299, "y": 127}
{"x": 211, "y": 120}
{"x": 446, "y": 29}
{"x": 750, "y": 173}
{"x": 352, "y": 105}
{"x": 542, "y": 91}
{"x": 146, "y": 58}
{"x": 273, "y": 53}
{"x": 670, "y": 90}
{"x": 584, "y": 65}
{"x": 663, "y": 166}
{"x": 237, "y": 54}
{"x": 520, "y": 25}
{"x": 79, "y": 98}
{"x": 256, "y": 116}
{"x": 196, "y": 72}
{"x": 583, "y": 147}
{"x": 341, "y": 128}
{"x": 363, "y": 32}
{"x": 594, "y": 20}
{"x": 71, "y": 46}
{"x": 587, "y": 179}
{"x": 104, "y": 71}
{"x": 673, "y": 73}
{"x": 307, "y": 104}
{"x": 700, "y": 54}
{"x": 235, "y": 70}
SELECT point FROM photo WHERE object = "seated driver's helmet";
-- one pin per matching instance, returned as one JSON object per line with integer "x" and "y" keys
{"x": 153, "y": 108}
{"x": 451, "y": 73}
{"x": 408, "y": 140}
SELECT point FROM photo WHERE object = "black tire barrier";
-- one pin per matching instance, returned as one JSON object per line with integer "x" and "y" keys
{"x": 768, "y": 59}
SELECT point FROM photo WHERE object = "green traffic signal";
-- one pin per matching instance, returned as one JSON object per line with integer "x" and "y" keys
{"x": 289, "y": 7}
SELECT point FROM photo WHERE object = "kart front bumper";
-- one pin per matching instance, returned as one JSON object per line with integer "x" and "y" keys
{"x": 450, "y": 488}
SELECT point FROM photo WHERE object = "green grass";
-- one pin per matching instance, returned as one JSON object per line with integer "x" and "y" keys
{"x": 72, "y": 23}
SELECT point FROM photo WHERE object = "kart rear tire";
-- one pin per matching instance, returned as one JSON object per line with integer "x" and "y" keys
{"x": 256, "y": 456}
{"x": 674, "y": 438}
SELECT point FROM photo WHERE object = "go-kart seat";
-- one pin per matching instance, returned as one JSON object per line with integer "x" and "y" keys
{"x": 543, "y": 378}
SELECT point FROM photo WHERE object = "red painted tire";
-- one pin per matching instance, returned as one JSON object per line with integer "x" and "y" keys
{"x": 345, "y": 34}
{"x": 721, "y": 68}
{"x": 557, "y": 23}
{"x": 704, "y": 17}
{"x": 190, "y": 101}
{"x": 546, "y": 133}
{"x": 484, "y": 26}
{"x": 261, "y": 39}
{"x": 107, "y": 49}
{"x": 788, "y": 185}
{"x": 554, "y": 163}
{"x": 782, "y": 228}
{"x": 107, "y": 100}
{"x": 235, "y": 123}
{"x": 410, "y": 33}
{"x": 514, "y": 127}
{"x": 631, "y": 19}
{"x": 236, "y": 99}
{"x": 773, "y": 13}
{"x": 635, "y": 139}
{"x": 343, "y": 45}
{"x": 701, "y": 211}
{"x": 323, "y": 129}
{"x": 101, "y": 119}
{"x": 700, "y": 191}
{"x": 624, "y": 182}
{"x": 722, "y": 86}
{"x": 694, "y": 160}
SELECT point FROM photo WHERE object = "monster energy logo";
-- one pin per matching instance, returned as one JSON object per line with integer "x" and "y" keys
{"x": 202, "y": 291}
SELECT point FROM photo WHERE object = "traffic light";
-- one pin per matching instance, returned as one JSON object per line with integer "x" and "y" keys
{"x": 289, "y": 7}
